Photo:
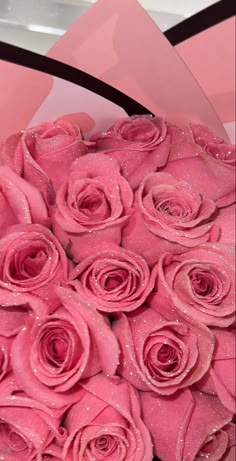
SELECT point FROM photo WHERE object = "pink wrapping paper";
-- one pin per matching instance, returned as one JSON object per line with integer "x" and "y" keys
{"x": 122, "y": 59}
{"x": 214, "y": 65}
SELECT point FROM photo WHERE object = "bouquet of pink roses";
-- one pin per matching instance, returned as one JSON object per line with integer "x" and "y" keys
{"x": 117, "y": 288}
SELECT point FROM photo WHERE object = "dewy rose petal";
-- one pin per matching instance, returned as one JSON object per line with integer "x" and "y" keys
{"x": 20, "y": 202}
{"x": 201, "y": 283}
{"x": 32, "y": 261}
{"x": 221, "y": 377}
{"x": 93, "y": 206}
{"x": 15, "y": 309}
{"x": 160, "y": 350}
{"x": 99, "y": 326}
{"x": 192, "y": 426}
{"x": 114, "y": 279}
{"x": 170, "y": 215}
{"x": 140, "y": 144}
{"x": 105, "y": 424}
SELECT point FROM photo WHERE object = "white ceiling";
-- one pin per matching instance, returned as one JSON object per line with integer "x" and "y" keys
{"x": 182, "y": 7}
{"x": 179, "y": 7}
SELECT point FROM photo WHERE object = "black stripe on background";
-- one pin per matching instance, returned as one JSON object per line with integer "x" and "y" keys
{"x": 209, "y": 17}
{"x": 35, "y": 61}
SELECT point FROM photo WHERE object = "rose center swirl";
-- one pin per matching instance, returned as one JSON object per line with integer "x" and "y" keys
{"x": 172, "y": 207}
{"x": 88, "y": 201}
{"x": 106, "y": 446}
{"x": 91, "y": 200}
{"x": 28, "y": 263}
{"x": 113, "y": 281}
{"x": 162, "y": 357}
{"x": 175, "y": 207}
{"x": 208, "y": 284}
{"x": 59, "y": 346}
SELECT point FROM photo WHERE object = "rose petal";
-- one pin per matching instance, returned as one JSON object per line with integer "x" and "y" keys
{"x": 108, "y": 349}
{"x": 161, "y": 413}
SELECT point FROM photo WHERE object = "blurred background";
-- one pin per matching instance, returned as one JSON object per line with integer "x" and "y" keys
{"x": 37, "y": 24}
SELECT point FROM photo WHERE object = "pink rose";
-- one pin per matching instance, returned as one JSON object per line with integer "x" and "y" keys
{"x": 15, "y": 309}
{"x": 44, "y": 153}
{"x": 93, "y": 206}
{"x": 20, "y": 202}
{"x": 53, "y": 353}
{"x": 114, "y": 279}
{"x": 208, "y": 160}
{"x": 26, "y": 426}
{"x": 140, "y": 144}
{"x": 221, "y": 377}
{"x": 201, "y": 283}
{"x": 190, "y": 427}
{"x": 106, "y": 424}
{"x": 170, "y": 215}
{"x": 160, "y": 350}
{"x": 32, "y": 261}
